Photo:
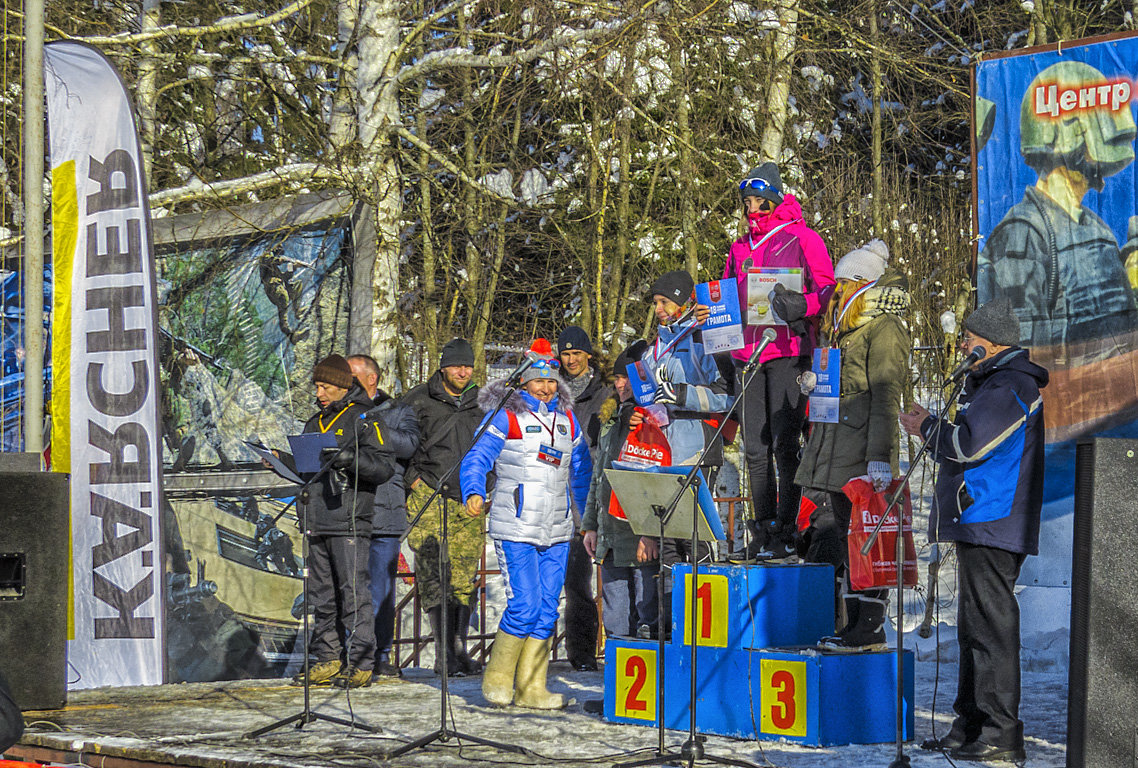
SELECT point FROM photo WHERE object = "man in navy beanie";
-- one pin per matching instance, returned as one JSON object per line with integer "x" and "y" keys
{"x": 585, "y": 384}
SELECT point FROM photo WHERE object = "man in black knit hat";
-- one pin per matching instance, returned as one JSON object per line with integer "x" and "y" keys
{"x": 575, "y": 350}
{"x": 447, "y": 408}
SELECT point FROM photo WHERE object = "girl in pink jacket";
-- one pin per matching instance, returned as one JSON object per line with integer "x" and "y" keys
{"x": 774, "y": 407}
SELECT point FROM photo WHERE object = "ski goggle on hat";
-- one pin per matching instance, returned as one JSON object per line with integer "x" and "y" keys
{"x": 756, "y": 184}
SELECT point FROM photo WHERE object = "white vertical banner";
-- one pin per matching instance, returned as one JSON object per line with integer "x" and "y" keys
{"x": 105, "y": 399}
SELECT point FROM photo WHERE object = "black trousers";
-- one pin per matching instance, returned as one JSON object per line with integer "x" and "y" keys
{"x": 340, "y": 593}
{"x": 987, "y": 696}
{"x": 774, "y": 412}
{"x": 580, "y": 609}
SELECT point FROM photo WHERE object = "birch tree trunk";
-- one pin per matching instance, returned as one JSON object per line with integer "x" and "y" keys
{"x": 378, "y": 112}
{"x": 875, "y": 126}
{"x": 783, "y": 46}
{"x": 146, "y": 89}
{"x": 342, "y": 120}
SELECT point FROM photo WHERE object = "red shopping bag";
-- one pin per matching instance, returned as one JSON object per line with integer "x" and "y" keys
{"x": 646, "y": 446}
{"x": 879, "y": 567}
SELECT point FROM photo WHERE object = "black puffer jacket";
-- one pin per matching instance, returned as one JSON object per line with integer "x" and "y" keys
{"x": 400, "y": 429}
{"x": 447, "y": 425}
{"x": 341, "y": 502}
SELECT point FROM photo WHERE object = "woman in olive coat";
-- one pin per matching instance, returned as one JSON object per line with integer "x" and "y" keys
{"x": 865, "y": 322}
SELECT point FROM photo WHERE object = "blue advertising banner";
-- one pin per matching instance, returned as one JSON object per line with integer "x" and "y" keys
{"x": 1057, "y": 213}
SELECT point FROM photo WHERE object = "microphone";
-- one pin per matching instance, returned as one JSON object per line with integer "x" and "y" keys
{"x": 973, "y": 357}
{"x": 527, "y": 362}
{"x": 769, "y": 335}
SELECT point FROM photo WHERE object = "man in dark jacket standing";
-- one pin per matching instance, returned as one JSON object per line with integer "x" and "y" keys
{"x": 401, "y": 430}
{"x": 336, "y": 512}
{"x": 447, "y": 408}
{"x": 575, "y": 350}
{"x": 988, "y": 499}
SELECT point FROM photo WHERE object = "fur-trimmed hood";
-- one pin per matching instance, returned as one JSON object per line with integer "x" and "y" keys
{"x": 519, "y": 401}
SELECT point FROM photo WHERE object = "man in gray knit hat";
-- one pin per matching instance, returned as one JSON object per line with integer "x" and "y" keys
{"x": 988, "y": 501}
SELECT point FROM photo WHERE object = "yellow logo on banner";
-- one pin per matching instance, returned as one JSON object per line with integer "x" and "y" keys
{"x": 784, "y": 697}
{"x": 635, "y": 683}
{"x": 710, "y": 620}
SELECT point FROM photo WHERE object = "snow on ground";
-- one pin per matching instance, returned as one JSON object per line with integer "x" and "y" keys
{"x": 203, "y": 724}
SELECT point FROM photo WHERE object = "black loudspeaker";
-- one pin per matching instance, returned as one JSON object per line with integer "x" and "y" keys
{"x": 1102, "y": 698}
{"x": 34, "y": 524}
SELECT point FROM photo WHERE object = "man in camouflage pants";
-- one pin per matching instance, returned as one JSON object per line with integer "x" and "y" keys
{"x": 447, "y": 408}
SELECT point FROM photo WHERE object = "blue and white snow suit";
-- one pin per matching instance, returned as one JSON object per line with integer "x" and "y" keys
{"x": 541, "y": 460}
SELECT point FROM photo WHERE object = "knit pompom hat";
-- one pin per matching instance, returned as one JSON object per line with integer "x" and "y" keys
{"x": 866, "y": 262}
{"x": 546, "y": 366}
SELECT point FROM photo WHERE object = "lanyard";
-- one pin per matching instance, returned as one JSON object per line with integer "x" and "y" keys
{"x": 849, "y": 302}
{"x": 768, "y": 235}
{"x": 320, "y": 420}
{"x": 657, "y": 353}
{"x": 549, "y": 428}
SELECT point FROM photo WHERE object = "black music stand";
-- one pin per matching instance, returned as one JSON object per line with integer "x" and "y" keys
{"x": 444, "y": 732}
{"x": 306, "y": 715}
{"x": 901, "y": 760}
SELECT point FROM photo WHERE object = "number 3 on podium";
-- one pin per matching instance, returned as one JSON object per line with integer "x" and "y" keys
{"x": 635, "y": 684}
{"x": 710, "y": 621}
{"x": 784, "y": 697}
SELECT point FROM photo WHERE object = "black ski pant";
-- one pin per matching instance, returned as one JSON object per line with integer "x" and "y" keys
{"x": 774, "y": 412}
{"x": 340, "y": 594}
{"x": 987, "y": 695}
{"x": 580, "y": 609}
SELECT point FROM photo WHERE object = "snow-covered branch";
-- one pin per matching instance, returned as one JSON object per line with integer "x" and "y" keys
{"x": 441, "y": 159}
{"x": 227, "y": 24}
{"x": 199, "y": 190}
{"x": 460, "y": 57}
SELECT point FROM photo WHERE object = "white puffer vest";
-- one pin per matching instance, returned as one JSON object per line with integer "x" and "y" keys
{"x": 532, "y": 502}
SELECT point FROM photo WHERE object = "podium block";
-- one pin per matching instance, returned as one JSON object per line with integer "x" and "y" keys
{"x": 755, "y": 606}
{"x": 805, "y": 697}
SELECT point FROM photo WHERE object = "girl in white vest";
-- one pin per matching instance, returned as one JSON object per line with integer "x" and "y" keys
{"x": 541, "y": 460}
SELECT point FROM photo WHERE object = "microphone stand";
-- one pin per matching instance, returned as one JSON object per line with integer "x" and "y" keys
{"x": 692, "y": 749}
{"x": 306, "y": 715}
{"x": 901, "y": 760}
{"x": 444, "y": 732}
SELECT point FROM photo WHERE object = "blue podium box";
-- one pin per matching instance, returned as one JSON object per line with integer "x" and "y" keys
{"x": 805, "y": 697}
{"x": 755, "y": 606}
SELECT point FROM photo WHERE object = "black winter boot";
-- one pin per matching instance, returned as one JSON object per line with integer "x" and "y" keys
{"x": 444, "y": 644}
{"x": 852, "y": 603}
{"x": 460, "y": 622}
{"x": 868, "y": 634}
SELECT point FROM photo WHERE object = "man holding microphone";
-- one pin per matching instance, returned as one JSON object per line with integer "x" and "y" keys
{"x": 988, "y": 500}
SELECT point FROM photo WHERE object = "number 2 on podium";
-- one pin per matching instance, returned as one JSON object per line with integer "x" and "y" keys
{"x": 635, "y": 684}
{"x": 710, "y": 621}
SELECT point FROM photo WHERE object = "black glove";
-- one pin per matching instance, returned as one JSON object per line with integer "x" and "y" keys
{"x": 791, "y": 307}
{"x": 342, "y": 458}
{"x": 669, "y": 393}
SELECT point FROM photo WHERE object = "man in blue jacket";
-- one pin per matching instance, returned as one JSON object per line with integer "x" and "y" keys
{"x": 988, "y": 499}
{"x": 401, "y": 428}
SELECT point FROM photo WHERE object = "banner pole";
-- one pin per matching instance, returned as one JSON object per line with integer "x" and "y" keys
{"x": 33, "y": 226}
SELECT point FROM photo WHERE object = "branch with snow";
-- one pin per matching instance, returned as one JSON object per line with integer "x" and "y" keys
{"x": 439, "y": 158}
{"x": 449, "y": 58}
{"x": 226, "y": 24}
{"x": 199, "y": 190}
